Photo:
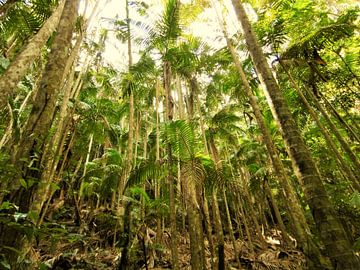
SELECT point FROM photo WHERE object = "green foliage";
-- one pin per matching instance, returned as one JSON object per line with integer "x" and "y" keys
{"x": 180, "y": 134}
{"x": 145, "y": 170}
{"x": 103, "y": 175}
{"x": 24, "y": 19}
{"x": 168, "y": 25}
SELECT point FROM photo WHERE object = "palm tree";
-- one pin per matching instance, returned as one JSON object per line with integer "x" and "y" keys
{"x": 297, "y": 214}
{"x": 331, "y": 231}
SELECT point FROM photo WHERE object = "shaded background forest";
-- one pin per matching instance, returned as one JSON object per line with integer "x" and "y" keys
{"x": 142, "y": 142}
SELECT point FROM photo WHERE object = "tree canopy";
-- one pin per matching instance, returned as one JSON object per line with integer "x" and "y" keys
{"x": 179, "y": 134}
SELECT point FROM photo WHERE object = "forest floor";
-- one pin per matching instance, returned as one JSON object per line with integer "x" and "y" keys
{"x": 90, "y": 246}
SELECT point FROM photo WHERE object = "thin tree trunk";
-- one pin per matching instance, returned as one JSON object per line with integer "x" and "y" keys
{"x": 331, "y": 231}
{"x": 244, "y": 178}
{"x": 302, "y": 231}
{"x": 246, "y": 224}
{"x": 157, "y": 184}
{"x": 131, "y": 93}
{"x": 215, "y": 209}
{"x": 277, "y": 213}
{"x": 231, "y": 230}
{"x": 326, "y": 135}
{"x": 169, "y": 117}
{"x": 335, "y": 131}
{"x": 209, "y": 231}
{"x": 349, "y": 130}
{"x": 7, "y": 135}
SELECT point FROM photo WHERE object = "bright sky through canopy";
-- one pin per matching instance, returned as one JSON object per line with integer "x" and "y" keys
{"x": 205, "y": 26}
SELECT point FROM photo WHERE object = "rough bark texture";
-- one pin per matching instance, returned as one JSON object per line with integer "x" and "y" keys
{"x": 17, "y": 69}
{"x": 38, "y": 125}
{"x": 302, "y": 231}
{"x": 330, "y": 229}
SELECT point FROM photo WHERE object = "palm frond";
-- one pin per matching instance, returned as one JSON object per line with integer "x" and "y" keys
{"x": 143, "y": 171}
{"x": 180, "y": 134}
{"x": 169, "y": 24}
{"x": 318, "y": 39}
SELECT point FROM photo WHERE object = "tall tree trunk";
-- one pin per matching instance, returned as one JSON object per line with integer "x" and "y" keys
{"x": 215, "y": 208}
{"x": 169, "y": 117}
{"x": 240, "y": 204}
{"x": 17, "y": 68}
{"x": 39, "y": 123}
{"x": 326, "y": 135}
{"x": 335, "y": 131}
{"x": 52, "y": 152}
{"x": 157, "y": 184}
{"x": 330, "y": 229}
{"x": 195, "y": 226}
{"x": 205, "y": 203}
{"x": 193, "y": 203}
{"x": 296, "y": 214}
{"x": 350, "y": 131}
{"x": 131, "y": 92}
{"x": 231, "y": 230}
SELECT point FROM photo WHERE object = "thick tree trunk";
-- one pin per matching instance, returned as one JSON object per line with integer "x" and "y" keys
{"x": 195, "y": 229}
{"x": 17, "y": 68}
{"x": 330, "y": 229}
{"x": 39, "y": 122}
{"x": 53, "y": 149}
{"x": 124, "y": 259}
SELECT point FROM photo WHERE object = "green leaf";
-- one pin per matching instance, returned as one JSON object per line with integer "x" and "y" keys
{"x": 23, "y": 183}
{"x": 5, "y": 265}
{"x": 7, "y": 205}
{"x": 356, "y": 245}
{"x": 54, "y": 186}
{"x": 44, "y": 266}
{"x": 33, "y": 215}
{"x": 355, "y": 199}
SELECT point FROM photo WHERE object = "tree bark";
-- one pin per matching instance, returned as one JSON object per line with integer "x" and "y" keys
{"x": 325, "y": 133}
{"x": 169, "y": 117}
{"x": 330, "y": 229}
{"x": 37, "y": 127}
{"x": 215, "y": 208}
{"x": 296, "y": 214}
{"x": 17, "y": 68}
